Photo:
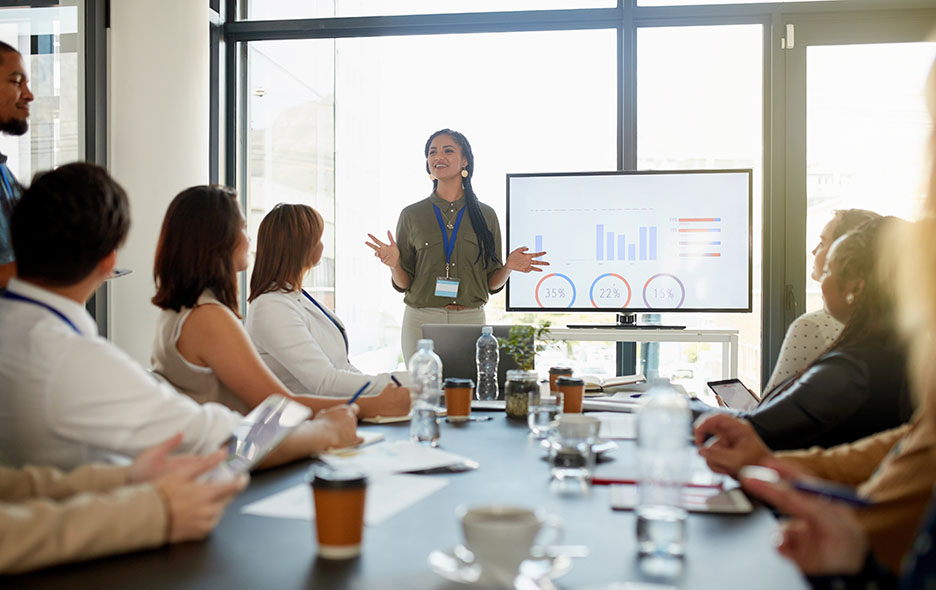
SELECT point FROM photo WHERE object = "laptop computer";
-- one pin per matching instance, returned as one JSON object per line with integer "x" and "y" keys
{"x": 455, "y": 345}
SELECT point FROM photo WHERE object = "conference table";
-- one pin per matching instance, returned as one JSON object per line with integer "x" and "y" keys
{"x": 247, "y": 551}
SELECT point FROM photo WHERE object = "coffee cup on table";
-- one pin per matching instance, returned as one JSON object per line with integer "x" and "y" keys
{"x": 458, "y": 394}
{"x": 501, "y": 536}
{"x": 338, "y": 497}
{"x": 573, "y": 392}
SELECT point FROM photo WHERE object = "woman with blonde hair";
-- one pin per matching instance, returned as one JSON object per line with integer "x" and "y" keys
{"x": 302, "y": 342}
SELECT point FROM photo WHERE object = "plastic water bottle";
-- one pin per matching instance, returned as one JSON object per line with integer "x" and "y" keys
{"x": 488, "y": 356}
{"x": 663, "y": 430}
{"x": 425, "y": 369}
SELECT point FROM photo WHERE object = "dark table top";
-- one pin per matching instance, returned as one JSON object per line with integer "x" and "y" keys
{"x": 723, "y": 552}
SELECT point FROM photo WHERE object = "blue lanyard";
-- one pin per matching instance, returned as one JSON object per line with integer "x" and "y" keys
{"x": 446, "y": 241}
{"x": 7, "y": 195}
{"x": 341, "y": 329}
{"x": 18, "y": 297}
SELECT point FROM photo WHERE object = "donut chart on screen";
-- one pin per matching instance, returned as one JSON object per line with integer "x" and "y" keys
{"x": 664, "y": 290}
{"x": 611, "y": 291}
{"x": 555, "y": 289}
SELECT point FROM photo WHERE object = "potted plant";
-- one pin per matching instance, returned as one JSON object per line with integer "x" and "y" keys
{"x": 523, "y": 342}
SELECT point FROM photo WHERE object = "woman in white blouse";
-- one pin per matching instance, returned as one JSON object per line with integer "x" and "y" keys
{"x": 300, "y": 340}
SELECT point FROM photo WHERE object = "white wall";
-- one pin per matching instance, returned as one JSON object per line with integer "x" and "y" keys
{"x": 157, "y": 139}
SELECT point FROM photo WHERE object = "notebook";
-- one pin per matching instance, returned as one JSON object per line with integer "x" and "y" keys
{"x": 455, "y": 345}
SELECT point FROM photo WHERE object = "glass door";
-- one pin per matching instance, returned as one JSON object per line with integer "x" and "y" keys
{"x": 856, "y": 132}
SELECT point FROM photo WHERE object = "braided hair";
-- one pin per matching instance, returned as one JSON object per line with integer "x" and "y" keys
{"x": 486, "y": 252}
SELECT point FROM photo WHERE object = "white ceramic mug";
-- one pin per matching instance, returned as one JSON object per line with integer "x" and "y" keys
{"x": 500, "y": 537}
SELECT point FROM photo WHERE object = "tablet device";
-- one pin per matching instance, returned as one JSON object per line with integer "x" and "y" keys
{"x": 734, "y": 394}
{"x": 261, "y": 430}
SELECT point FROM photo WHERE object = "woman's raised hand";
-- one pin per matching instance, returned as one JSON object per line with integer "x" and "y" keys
{"x": 389, "y": 254}
{"x": 523, "y": 261}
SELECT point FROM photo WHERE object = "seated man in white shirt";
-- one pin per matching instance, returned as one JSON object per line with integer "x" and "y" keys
{"x": 67, "y": 395}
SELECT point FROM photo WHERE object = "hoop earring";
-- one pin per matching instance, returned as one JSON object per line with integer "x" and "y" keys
{"x": 464, "y": 173}
{"x": 850, "y": 298}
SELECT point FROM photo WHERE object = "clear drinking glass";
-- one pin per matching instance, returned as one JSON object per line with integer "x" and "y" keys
{"x": 542, "y": 411}
{"x": 571, "y": 458}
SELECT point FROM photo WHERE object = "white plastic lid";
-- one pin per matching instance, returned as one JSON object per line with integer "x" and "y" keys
{"x": 487, "y": 330}
{"x": 424, "y": 344}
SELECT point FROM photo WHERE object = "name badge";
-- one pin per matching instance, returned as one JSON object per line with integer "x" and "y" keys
{"x": 446, "y": 287}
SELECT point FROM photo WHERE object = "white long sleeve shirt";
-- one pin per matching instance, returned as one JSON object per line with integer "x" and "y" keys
{"x": 304, "y": 347}
{"x": 68, "y": 396}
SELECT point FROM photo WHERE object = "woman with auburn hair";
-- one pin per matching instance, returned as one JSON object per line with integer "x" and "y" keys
{"x": 201, "y": 347}
{"x": 302, "y": 342}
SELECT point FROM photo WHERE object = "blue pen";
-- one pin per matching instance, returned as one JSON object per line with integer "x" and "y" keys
{"x": 358, "y": 394}
{"x": 397, "y": 381}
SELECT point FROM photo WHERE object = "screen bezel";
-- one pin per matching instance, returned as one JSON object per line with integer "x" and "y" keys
{"x": 629, "y": 310}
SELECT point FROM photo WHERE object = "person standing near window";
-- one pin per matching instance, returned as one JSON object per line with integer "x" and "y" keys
{"x": 447, "y": 269}
{"x": 14, "y": 114}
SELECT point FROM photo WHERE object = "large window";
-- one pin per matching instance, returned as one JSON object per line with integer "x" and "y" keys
{"x": 866, "y": 134}
{"x": 341, "y": 125}
{"x": 699, "y": 105}
{"x": 339, "y": 113}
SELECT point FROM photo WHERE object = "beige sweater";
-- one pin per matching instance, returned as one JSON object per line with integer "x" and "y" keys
{"x": 49, "y": 517}
{"x": 895, "y": 469}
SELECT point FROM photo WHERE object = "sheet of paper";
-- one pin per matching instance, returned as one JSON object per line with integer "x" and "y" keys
{"x": 386, "y": 495}
{"x": 616, "y": 425}
{"x": 393, "y": 457}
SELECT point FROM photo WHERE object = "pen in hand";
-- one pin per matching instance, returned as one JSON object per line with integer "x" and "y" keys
{"x": 358, "y": 394}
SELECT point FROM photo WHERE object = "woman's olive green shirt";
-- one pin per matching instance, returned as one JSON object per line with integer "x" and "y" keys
{"x": 422, "y": 253}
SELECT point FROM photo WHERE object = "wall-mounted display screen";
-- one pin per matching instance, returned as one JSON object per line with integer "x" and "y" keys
{"x": 645, "y": 241}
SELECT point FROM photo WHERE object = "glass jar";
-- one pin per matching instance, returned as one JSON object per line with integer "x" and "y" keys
{"x": 517, "y": 390}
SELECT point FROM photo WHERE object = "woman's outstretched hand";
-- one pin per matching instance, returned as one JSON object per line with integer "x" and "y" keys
{"x": 523, "y": 261}
{"x": 389, "y": 253}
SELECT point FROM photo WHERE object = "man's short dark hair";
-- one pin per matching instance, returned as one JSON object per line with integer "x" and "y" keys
{"x": 6, "y": 48}
{"x": 67, "y": 222}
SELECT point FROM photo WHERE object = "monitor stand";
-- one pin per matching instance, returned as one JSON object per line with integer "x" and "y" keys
{"x": 627, "y": 321}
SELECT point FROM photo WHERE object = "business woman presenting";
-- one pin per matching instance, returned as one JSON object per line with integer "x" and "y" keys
{"x": 445, "y": 267}
{"x": 301, "y": 341}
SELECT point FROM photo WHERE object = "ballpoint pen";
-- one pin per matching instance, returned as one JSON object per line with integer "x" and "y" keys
{"x": 358, "y": 394}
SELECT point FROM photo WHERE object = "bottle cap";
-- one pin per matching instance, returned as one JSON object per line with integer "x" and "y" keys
{"x": 560, "y": 370}
{"x": 458, "y": 382}
{"x": 487, "y": 330}
{"x": 570, "y": 381}
{"x": 424, "y": 344}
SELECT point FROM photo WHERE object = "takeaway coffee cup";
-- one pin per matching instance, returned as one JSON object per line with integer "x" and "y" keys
{"x": 501, "y": 536}
{"x": 458, "y": 394}
{"x": 338, "y": 496}
{"x": 573, "y": 392}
